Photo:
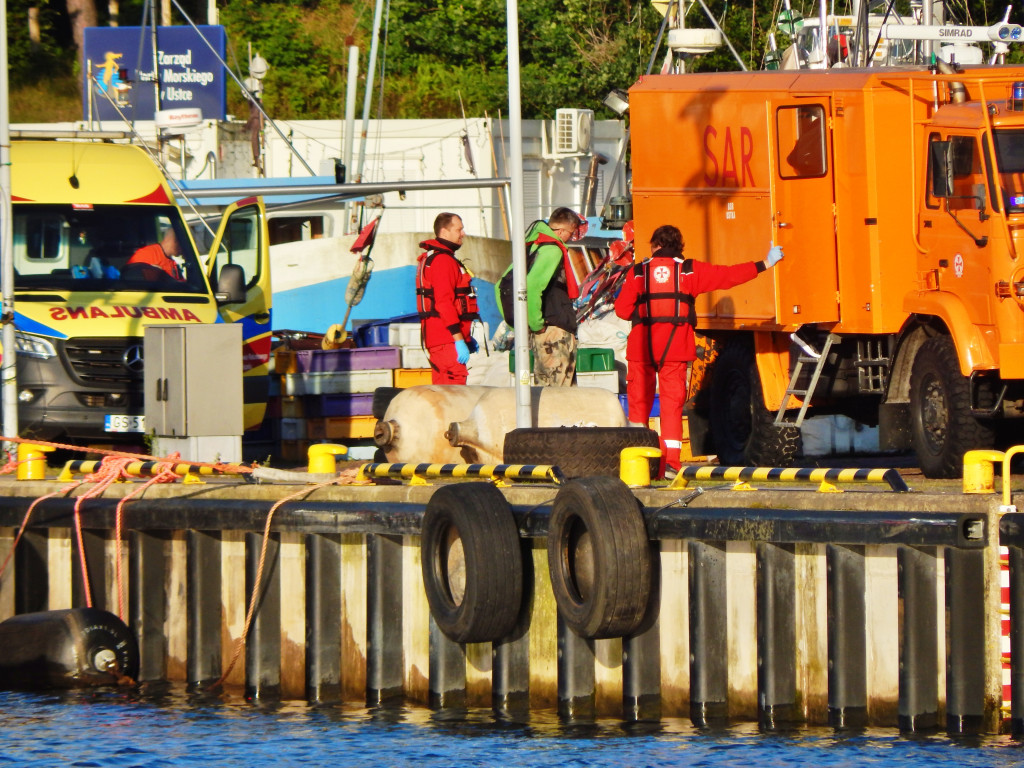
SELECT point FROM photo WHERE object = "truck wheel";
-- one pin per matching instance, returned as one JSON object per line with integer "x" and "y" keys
{"x": 942, "y": 426}
{"x": 743, "y": 431}
{"x": 472, "y": 563}
{"x": 577, "y": 451}
{"x": 599, "y": 558}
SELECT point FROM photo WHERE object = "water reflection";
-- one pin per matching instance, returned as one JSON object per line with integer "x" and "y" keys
{"x": 167, "y": 726}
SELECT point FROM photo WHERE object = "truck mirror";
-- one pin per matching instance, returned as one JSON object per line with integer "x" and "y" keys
{"x": 942, "y": 168}
{"x": 231, "y": 284}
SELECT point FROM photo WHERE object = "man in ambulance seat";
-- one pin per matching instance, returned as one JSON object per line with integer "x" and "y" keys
{"x": 658, "y": 298}
{"x": 446, "y": 302}
{"x": 152, "y": 262}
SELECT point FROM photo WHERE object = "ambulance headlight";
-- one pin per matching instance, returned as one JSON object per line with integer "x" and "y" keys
{"x": 34, "y": 346}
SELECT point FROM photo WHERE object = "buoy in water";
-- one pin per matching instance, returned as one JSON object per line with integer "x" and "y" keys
{"x": 74, "y": 648}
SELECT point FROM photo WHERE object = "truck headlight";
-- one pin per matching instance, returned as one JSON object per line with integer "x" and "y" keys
{"x": 34, "y": 346}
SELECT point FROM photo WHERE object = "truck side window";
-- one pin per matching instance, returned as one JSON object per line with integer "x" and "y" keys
{"x": 967, "y": 173}
{"x": 241, "y": 244}
{"x": 801, "y": 137}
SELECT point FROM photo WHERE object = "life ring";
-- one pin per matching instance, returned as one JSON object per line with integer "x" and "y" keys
{"x": 599, "y": 558}
{"x": 472, "y": 562}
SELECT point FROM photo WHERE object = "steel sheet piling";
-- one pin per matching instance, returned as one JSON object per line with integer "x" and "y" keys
{"x": 776, "y": 635}
{"x": 965, "y": 607}
{"x": 203, "y": 656}
{"x": 709, "y": 664}
{"x": 263, "y": 645}
{"x": 447, "y": 671}
{"x": 147, "y": 601}
{"x": 577, "y": 694}
{"x": 323, "y": 619}
{"x": 919, "y": 655}
{"x": 384, "y": 666}
{"x": 847, "y": 646}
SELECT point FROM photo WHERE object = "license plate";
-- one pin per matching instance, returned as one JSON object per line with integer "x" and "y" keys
{"x": 119, "y": 422}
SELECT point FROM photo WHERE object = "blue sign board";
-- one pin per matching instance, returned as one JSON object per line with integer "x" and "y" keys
{"x": 189, "y": 73}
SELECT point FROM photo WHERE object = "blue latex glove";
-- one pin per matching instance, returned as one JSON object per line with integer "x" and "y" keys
{"x": 461, "y": 351}
{"x": 472, "y": 344}
{"x": 774, "y": 255}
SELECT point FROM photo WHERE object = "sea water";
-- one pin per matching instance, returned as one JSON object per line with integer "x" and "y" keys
{"x": 96, "y": 729}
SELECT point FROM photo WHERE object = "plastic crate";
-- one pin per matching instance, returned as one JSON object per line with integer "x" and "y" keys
{"x": 340, "y": 404}
{"x": 604, "y": 379}
{"x": 295, "y": 451}
{"x": 414, "y": 357}
{"x": 292, "y": 407}
{"x": 371, "y": 335}
{"x": 358, "y": 359}
{"x": 335, "y": 382}
{"x": 624, "y": 402}
{"x": 512, "y": 361}
{"x": 412, "y": 377}
{"x": 293, "y": 429}
{"x": 589, "y": 359}
{"x": 340, "y": 427}
{"x": 404, "y": 335}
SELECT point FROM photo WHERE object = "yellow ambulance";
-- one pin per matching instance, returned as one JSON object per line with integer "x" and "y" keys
{"x": 101, "y": 250}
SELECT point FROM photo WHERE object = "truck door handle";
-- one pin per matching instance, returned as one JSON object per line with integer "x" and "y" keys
{"x": 785, "y": 225}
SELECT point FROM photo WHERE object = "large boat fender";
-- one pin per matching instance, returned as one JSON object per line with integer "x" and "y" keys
{"x": 73, "y": 648}
{"x": 414, "y": 424}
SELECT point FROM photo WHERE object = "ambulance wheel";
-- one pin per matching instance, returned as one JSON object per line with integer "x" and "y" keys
{"x": 743, "y": 431}
{"x": 599, "y": 558}
{"x": 382, "y": 397}
{"x": 942, "y": 426}
{"x": 577, "y": 451}
{"x": 472, "y": 563}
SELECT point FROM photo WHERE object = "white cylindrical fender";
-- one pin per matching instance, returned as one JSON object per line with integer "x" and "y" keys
{"x": 481, "y": 435}
{"x": 414, "y": 425}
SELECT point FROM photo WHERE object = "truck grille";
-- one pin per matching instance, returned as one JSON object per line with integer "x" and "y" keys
{"x": 105, "y": 362}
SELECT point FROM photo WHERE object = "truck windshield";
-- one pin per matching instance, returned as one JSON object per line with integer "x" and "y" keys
{"x": 104, "y": 248}
{"x": 1010, "y": 162}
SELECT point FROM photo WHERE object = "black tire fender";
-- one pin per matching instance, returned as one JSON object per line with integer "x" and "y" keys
{"x": 472, "y": 562}
{"x": 382, "y": 397}
{"x": 599, "y": 558}
{"x": 577, "y": 451}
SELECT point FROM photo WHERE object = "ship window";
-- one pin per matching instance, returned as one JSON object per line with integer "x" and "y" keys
{"x": 801, "y": 141}
{"x": 294, "y": 229}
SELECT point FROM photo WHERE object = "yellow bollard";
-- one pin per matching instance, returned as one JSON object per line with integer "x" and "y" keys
{"x": 634, "y": 467}
{"x": 321, "y": 458}
{"x": 32, "y": 461}
{"x": 979, "y": 472}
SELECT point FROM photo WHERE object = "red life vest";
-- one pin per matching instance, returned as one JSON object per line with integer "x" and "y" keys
{"x": 566, "y": 274}
{"x": 662, "y": 299}
{"x": 465, "y": 293}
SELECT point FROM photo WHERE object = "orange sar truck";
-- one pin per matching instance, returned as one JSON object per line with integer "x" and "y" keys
{"x": 898, "y": 198}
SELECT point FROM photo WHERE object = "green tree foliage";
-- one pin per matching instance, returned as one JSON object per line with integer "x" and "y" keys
{"x": 30, "y": 62}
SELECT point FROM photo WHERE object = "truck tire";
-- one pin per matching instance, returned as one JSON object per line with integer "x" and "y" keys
{"x": 743, "y": 432}
{"x": 472, "y": 562}
{"x": 942, "y": 426}
{"x": 577, "y": 451}
{"x": 599, "y": 558}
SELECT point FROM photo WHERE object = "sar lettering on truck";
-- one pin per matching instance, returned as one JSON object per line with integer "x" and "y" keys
{"x": 722, "y": 169}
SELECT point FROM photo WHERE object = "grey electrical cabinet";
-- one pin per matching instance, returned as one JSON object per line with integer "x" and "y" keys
{"x": 193, "y": 379}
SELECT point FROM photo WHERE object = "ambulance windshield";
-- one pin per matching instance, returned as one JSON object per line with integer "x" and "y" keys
{"x": 104, "y": 248}
{"x": 1009, "y": 146}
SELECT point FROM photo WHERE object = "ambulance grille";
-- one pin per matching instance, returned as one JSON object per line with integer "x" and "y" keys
{"x": 105, "y": 362}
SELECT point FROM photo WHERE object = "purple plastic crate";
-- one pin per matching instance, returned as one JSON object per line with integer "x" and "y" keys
{"x": 358, "y": 359}
{"x": 355, "y": 404}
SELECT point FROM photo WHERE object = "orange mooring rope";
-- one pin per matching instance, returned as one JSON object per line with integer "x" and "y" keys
{"x": 346, "y": 477}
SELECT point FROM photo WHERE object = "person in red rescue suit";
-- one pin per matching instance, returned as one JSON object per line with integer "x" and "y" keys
{"x": 446, "y": 302}
{"x": 658, "y": 298}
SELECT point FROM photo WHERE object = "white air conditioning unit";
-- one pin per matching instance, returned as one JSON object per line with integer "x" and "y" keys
{"x": 572, "y": 130}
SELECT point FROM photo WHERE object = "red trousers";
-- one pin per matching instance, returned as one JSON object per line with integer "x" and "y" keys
{"x": 671, "y": 380}
{"x": 445, "y": 367}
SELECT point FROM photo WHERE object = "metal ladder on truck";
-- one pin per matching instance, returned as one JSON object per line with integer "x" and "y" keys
{"x": 809, "y": 356}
